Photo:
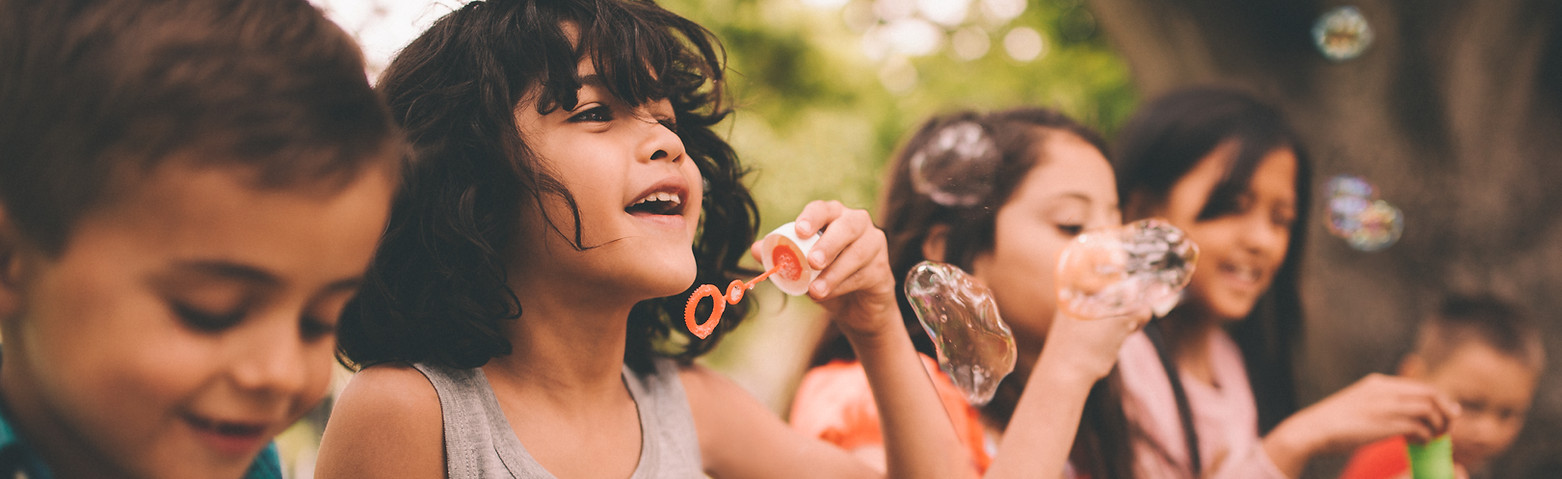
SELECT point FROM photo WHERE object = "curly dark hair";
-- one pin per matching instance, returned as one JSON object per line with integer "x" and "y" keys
{"x": 436, "y": 292}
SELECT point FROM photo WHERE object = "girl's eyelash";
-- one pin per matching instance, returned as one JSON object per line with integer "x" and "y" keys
{"x": 599, "y": 113}
{"x": 1071, "y": 230}
{"x": 314, "y": 328}
{"x": 206, "y": 321}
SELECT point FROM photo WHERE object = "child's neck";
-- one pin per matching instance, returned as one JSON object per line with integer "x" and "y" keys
{"x": 1189, "y": 339}
{"x": 567, "y": 341}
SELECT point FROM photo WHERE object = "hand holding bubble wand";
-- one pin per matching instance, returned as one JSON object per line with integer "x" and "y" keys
{"x": 784, "y": 266}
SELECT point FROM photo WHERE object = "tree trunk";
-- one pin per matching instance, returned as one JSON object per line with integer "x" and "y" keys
{"x": 1454, "y": 113}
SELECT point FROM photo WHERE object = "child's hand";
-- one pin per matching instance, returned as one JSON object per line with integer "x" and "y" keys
{"x": 1089, "y": 346}
{"x": 855, "y": 283}
{"x": 1373, "y": 408}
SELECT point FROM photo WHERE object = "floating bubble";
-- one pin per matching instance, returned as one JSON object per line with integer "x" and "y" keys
{"x": 1120, "y": 271}
{"x": 1345, "y": 214}
{"x": 1380, "y": 226}
{"x": 1350, "y": 185}
{"x": 1357, "y": 216}
{"x": 1342, "y": 34}
{"x": 975, "y": 348}
{"x": 956, "y": 167}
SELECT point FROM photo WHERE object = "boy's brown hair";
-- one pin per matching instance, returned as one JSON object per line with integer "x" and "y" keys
{"x": 94, "y": 94}
{"x": 1485, "y": 319}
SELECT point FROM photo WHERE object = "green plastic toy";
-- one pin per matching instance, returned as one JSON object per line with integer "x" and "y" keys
{"x": 1433, "y": 460}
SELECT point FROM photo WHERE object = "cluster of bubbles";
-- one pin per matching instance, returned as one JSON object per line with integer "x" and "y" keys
{"x": 1356, "y": 215}
{"x": 1125, "y": 270}
{"x": 1103, "y": 274}
{"x": 975, "y": 348}
{"x": 1342, "y": 34}
{"x": 956, "y": 167}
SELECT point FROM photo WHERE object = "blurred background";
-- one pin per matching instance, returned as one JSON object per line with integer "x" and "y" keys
{"x": 1451, "y": 110}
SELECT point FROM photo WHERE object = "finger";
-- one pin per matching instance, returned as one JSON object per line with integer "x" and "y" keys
{"x": 815, "y": 216}
{"x": 854, "y": 268}
{"x": 846, "y": 229}
{"x": 753, "y": 250}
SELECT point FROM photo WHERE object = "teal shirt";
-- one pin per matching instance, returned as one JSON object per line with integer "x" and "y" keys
{"x": 19, "y": 460}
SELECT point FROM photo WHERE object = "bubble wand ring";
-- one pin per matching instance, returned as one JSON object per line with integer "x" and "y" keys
{"x": 784, "y": 267}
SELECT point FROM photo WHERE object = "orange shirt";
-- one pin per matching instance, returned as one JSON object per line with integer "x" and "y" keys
{"x": 1380, "y": 460}
{"x": 834, "y": 403}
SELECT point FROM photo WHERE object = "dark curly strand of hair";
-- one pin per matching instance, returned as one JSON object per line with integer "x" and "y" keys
{"x": 436, "y": 292}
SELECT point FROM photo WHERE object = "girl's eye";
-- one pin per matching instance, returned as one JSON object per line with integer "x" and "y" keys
{"x": 669, "y": 123}
{"x": 207, "y": 321}
{"x": 599, "y": 113}
{"x": 313, "y": 328}
{"x": 1071, "y": 230}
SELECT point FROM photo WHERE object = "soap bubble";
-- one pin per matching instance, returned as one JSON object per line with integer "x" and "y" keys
{"x": 1357, "y": 216}
{"x": 1121, "y": 271}
{"x": 956, "y": 167}
{"x": 975, "y": 347}
{"x": 1350, "y": 185}
{"x": 1342, "y": 34}
{"x": 1378, "y": 227}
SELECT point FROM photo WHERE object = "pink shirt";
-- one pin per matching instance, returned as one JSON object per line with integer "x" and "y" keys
{"x": 1223, "y": 414}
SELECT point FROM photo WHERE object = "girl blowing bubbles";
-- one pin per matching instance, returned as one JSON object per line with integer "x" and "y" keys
{"x": 519, "y": 320}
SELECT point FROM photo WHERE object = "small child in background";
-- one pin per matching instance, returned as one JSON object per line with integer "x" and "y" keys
{"x": 1484, "y": 353}
{"x": 190, "y": 191}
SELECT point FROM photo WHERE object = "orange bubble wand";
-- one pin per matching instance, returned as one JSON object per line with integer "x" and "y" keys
{"x": 787, "y": 266}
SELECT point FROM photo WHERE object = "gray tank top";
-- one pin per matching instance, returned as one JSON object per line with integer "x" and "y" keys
{"x": 479, "y": 442}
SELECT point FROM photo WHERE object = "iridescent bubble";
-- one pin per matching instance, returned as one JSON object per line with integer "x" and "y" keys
{"x": 1381, "y": 224}
{"x": 1121, "y": 271}
{"x": 1350, "y": 185}
{"x": 1344, "y": 214}
{"x": 1342, "y": 33}
{"x": 955, "y": 168}
{"x": 975, "y": 348}
{"x": 1357, "y": 216}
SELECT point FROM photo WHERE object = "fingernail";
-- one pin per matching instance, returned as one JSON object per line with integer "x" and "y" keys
{"x": 816, "y": 259}
{"x": 820, "y": 288}
{"x": 804, "y": 227}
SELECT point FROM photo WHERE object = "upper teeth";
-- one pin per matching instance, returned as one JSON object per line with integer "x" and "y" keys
{"x": 662, "y": 196}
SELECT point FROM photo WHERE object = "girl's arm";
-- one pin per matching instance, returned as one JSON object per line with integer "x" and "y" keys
{"x": 856, "y": 287}
{"x": 386, "y": 423}
{"x": 1369, "y": 410}
{"x": 1041, "y": 433}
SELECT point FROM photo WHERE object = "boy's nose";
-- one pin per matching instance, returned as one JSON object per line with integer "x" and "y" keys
{"x": 274, "y": 363}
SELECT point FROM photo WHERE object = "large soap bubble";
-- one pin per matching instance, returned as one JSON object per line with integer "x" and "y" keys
{"x": 1121, "y": 271}
{"x": 974, "y": 345}
{"x": 956, "y": 167}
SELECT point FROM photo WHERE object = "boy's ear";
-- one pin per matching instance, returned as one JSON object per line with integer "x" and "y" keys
{"x": 12, "y": 266}
{"x": 933, "y": 244}
{"x": 1413, "y": 366}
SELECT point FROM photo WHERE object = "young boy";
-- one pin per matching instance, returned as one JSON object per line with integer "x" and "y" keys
{"x": 1482, "y": 352}
{"x": 190, "y": 191}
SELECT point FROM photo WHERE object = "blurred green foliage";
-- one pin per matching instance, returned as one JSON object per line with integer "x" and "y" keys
{"x": 814, "y": 120}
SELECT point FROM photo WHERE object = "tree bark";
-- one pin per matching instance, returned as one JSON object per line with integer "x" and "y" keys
{"x": 1454, "y": 113}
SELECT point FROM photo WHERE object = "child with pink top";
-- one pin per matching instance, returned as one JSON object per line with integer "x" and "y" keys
{"x": 1209, "y": 387}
